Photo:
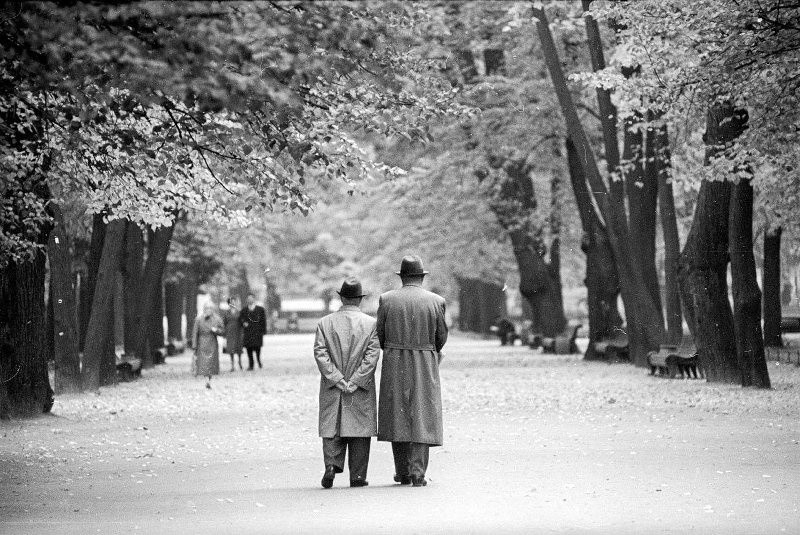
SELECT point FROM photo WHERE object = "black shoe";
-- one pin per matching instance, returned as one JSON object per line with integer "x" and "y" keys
{"x": 418, "y": 481}
{"x": 403, "y": 480}
{"x": 327, "y": 477}
{"x": 359, "y": 482}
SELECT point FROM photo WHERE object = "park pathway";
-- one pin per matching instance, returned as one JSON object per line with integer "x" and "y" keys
{"x": 533, "y": 444}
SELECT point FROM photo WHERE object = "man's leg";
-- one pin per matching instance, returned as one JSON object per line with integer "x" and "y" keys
{"x": 400, "y": 453}
{"x": 333, "y": 450}
{"x": 418, "y": 462}
{"x": 258, "y": 355}
{"x": 249, "y": 357}
{"x": 358, "y": 460}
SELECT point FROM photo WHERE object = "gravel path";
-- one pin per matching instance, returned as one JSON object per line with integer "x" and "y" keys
{"x": 533, "y": 443}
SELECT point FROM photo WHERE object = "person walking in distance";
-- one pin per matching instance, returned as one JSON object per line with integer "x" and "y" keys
{"x": 346, "y": 349}
{"x": 253, "y": 320}
{"x": 412, "y": 331}
{"x": 233, "y": 331}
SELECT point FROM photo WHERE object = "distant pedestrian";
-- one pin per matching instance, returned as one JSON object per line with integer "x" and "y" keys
{"x": 253, "y": 320}
{"x": 233, "y": 331}
{"x": 412, "y": 331}
{"x": 207, "y": 327}
{"x": 346, "y": 349}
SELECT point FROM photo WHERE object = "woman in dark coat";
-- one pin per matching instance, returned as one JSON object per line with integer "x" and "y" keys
{"x": 233, "y": 331}
{"x": 253, "y": 320}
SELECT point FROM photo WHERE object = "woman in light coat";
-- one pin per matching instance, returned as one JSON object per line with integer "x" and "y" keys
{"x": 207, "y": 327}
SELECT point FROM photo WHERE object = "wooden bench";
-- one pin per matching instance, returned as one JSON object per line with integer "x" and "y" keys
{"x": 159, "y": 355}
{"x": 564, "y": 343}
{"x": 128, "y": 368}
{"x": 790, "y": 319}
{"x": 175, "y": 347}
{"x": 534, "y": 340}
{"x": 670, "y": 360}
{"x": 613, "y": 348}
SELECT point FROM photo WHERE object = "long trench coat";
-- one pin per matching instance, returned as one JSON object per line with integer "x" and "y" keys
{"x": 254, "y": 326}
{"x": 412, "y": 331}
{"x": 346, "y": 347}
{"x": 206, "y": 348}
{"x": 233, "y": 331}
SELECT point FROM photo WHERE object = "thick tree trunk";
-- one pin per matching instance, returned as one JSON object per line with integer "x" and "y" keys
{"x": 92, "y": 263}
{"x": 602, "y": 281}
{"x": 645, "y": 323}
{"x": 642, "y": 191}
{"x": 704, "y": 260}
{"x": 101, "y": 322}
{"x": 659, "y": 141}
{"x": 62, "y": 300}
{"x": 24, "y": 383}
{"x": 190, "y": 290}
{"x": 132, "y": 282}
{"x": 157, "y": 250}
{"x": 772, "y": 288}
{"x": 746, "y": 294}
{"x": 173, "y": 307}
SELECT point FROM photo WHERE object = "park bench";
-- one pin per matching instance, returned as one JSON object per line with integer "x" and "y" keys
{"x": 534, "y": 340}
{"x": 613, "y": 348}
{"x": 159, "y": 355}
{"x": 790, "y": 319}
{"x": 562, "y": 344}
{"x": 175, "y": 347}
{"x": 128, "y": 368}
{"x": 670, "y": 360}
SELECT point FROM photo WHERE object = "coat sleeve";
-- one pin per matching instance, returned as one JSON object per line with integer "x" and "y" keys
{"x": 381, "y": 325}
{"x": 366, "y": 370}
{"x": 195, "y": 332}
{"x": 326, "y": 366}
{"x": 263, "y": 321}
{"x": 441, "y": 328}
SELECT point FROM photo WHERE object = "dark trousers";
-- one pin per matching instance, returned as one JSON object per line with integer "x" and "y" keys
{"x": 410, "y": 458}
{"x": 253, "y": 351}
{"x": 333, "y": 450}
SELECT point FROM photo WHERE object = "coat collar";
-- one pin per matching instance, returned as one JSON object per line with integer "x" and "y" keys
{"x": 350, "y": 307}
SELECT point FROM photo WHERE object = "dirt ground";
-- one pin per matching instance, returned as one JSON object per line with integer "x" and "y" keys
{"x": 533, "y": 443}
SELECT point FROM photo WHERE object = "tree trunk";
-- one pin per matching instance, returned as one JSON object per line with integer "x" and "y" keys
{"x": 190, "y": 295}
{"x": 659, "y": 141}
{"x": 24, "y": 383}
{"x": 92, "y": 264}
{"x": 642, "y": 191}
{"x": 62, "y": 300}
{"x": 132, "y": 282}
{"x": 173, "y": 307}
{"x": 704, "y": 260}
{"x": 101, "y": 320}
{"x": 157, "y": 250}
{"x": 772, "y": 288}
{"x": 746, "y": 294}
{"x": 645, "y": 323}
{"x": 602, "y": 281}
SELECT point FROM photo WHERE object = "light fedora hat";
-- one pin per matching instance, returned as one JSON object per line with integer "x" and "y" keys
{"x": 351, "y": 288}
{"x": 411, "y": 265}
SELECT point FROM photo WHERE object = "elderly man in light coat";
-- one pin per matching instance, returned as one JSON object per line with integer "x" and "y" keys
{"x": 347, "y": 351}
{"x": 412, "y": 332}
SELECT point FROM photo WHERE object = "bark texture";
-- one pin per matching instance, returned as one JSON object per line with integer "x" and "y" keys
{"x": 96, "y": 359}
{"x": 157, "y": 250}
{"x": 173, "y": 308}
{"x": 480, "y": 303}
{"x": 704, "y": 260}
{"x": 746, "y": 294}
{"x": 659, "y": 141}
{"x": 62, "y": 301}
{"x": 92, "y": 265}
{"x": 772, "y": 288}
{"x": 24, "y": 384}
{"x": 132, "y": 283}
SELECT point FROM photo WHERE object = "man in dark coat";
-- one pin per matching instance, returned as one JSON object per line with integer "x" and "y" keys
{"x": 253, "y": 320}
{"x": 347, "y": 351}
{"x": 412, "y": 331}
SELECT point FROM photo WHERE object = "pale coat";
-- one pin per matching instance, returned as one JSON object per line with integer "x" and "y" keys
{"x": 206, "y": 349}
{"x": 346, "y": 347}
{"x": 412, "y": 331}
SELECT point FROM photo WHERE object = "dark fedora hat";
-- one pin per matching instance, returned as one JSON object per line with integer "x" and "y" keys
{"x": 411, "y": 265}
{"x": 351, "y": 289}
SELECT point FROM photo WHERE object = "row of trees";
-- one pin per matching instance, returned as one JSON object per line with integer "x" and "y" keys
{"x": 148, "y": 113}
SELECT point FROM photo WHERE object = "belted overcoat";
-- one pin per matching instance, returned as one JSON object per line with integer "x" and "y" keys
{"x": 346, "y": 347}
{"x": 412, "y": 331}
